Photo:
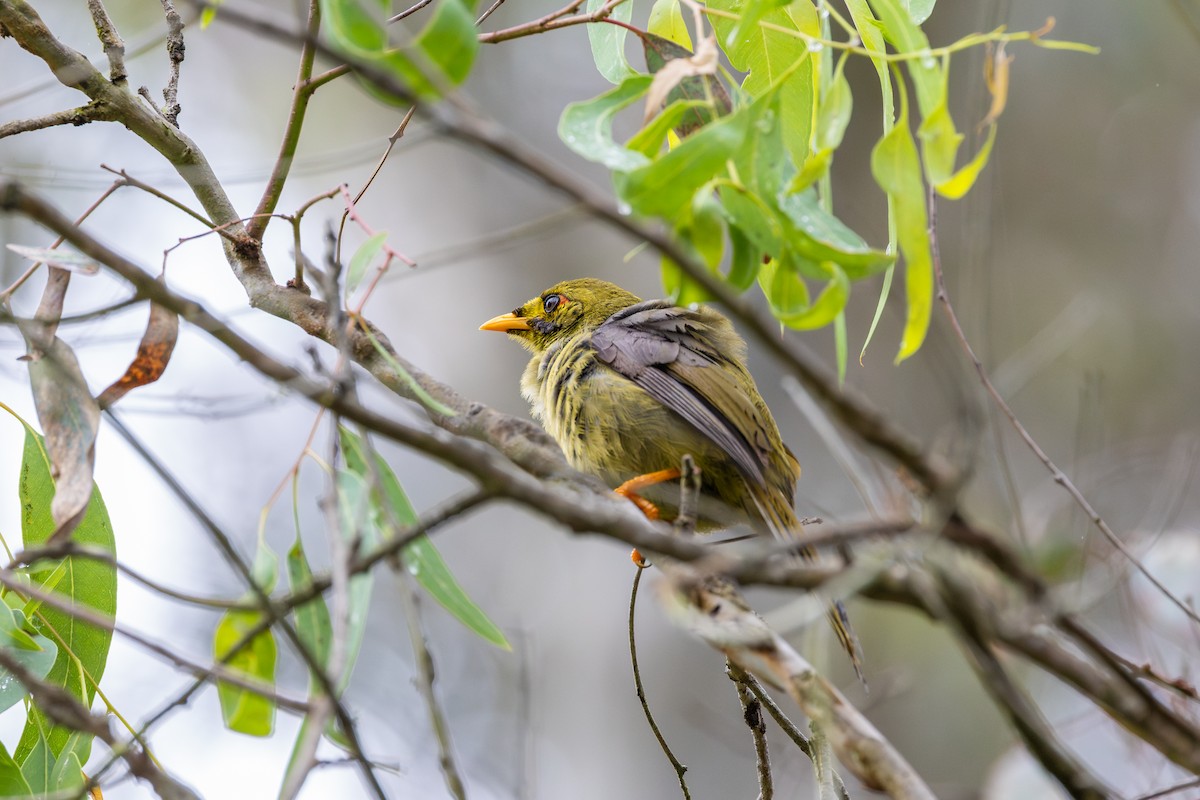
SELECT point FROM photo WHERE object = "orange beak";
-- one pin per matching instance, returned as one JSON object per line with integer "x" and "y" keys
{"x": 506, "y": 322}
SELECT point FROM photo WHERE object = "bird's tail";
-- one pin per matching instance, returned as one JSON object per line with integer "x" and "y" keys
{"x": 782, "y": 521}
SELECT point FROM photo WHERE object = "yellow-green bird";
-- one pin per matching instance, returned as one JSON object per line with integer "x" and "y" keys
{"x": 628, "y": 387}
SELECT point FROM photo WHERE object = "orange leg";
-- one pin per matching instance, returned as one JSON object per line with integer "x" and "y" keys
{"x": 629, "y": 490}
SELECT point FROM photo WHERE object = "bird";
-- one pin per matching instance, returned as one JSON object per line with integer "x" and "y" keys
{"x": 627, "y": 387}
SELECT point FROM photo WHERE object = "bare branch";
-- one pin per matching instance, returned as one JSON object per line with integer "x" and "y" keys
{"x": 114, "y": 46}
{"x": 92, "y": 112}
{"x": 752, "y": 715}
{"x": 175, "y": 54}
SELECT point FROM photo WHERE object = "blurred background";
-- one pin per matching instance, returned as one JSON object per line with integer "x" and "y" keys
{"x": 1072, "y": 265}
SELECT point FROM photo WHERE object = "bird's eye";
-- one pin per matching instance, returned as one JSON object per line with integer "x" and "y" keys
{"x": 551, "y": 303}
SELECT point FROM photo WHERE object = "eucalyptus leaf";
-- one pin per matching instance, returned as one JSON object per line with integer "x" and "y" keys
{"x": 420, "y": 557}
{"x": 12, "y": 780}
{"x": 666, "y": 20}
{"x": 608, "y": 41}
{"x": 897, "y": 169}
{"x": 85, "y": 582}
{"x": 244, "y": 711}
{"x": 363, "y": 257}
{"x": 586, "y": 126}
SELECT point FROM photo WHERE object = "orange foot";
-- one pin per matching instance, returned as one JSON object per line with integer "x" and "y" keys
{"x": 629, "y": 490}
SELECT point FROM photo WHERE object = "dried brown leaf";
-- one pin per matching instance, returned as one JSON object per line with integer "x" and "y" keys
{"x": 153, "y": 355}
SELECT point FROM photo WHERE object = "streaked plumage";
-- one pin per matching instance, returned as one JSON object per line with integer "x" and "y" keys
{"x": 627, "y": 387}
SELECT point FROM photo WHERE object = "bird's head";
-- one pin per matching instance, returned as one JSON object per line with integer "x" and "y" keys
{"x": 562, "y": 311}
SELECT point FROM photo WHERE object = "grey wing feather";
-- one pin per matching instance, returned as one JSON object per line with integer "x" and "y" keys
{"x": 643, "y": 342}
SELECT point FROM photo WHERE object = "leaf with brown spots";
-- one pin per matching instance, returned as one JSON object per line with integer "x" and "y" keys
{"x": 154, "y": 352}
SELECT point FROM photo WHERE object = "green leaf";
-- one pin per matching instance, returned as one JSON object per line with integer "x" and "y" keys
{"x": 744, "y": 262}
{"x": 86, "y": 582}
{"x": 703, "y": 233}
{"x": 420, "y": 557}
{"x": 12, "y": 780}
{"x": 666, "y": 20}
{"x": 586, "y": 127}
{"x": 312, "y": 618}
{"x": 907, "y": 37}
{"x": 608, "y": 41}
{"x": 68, "y": 769}
{"x": 776, "y": 60}
{"x": 939, "y": 143}
{"x": 817, "y": 235}
{"x": 833, "y": 112}
{"x": 356, "y": 26}
{"x": 919, "y": 10}
{"x": 36, "y": 653}
{"x": 363, "y": 257}
{"x": 897, "y": 169}
{"x": 424, "y": 397}
{"x": 961, "y": 182}
{"x": 441, "y": 55}
{"x": 244, "y": 711}
{"x": 788, "y": 295}
{"x": 756, "y": 220}
{"x": 38, "y": 762}
{"x": 357, "y": 526}
{"x": 666, "y": 186}
{"x": 649, "y": 140}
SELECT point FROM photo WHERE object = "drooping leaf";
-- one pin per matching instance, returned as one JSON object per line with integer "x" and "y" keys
{"x": 907, "y": 37}
{"x": 153, "y": 354}
{"x": 420, "y": 557}
{"x": 244, "y": 711}
{"x": 744, "y": 262}
{"x": 897, "y": 169}
{"x": 586, "y": 126}
{"x": 939, "y": 143}
{"x": 608, "y": 41}
{"x": 363, "y": 257}
{"x": 958, "y": 184}
{"x": 312, "y": 618}
{"x": 85, "y": 582}
{"x": 69, "y": 418}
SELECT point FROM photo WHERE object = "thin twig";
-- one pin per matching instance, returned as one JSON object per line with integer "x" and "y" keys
{"x": 490, "y": 10}
{"x": 225, "y": 545}
{"x": 408, "y": 12}
{"x": 301, "y": 94}
{"x": 1179, "y": 787}
{"x": 64, "y": 709}
{"x": 552, "y": 21}
{"x": 752, "y": 716}
{"x": 92, "y": 112}
{"x": 1059, "y": 476}
{"x": 679, "y": 768}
